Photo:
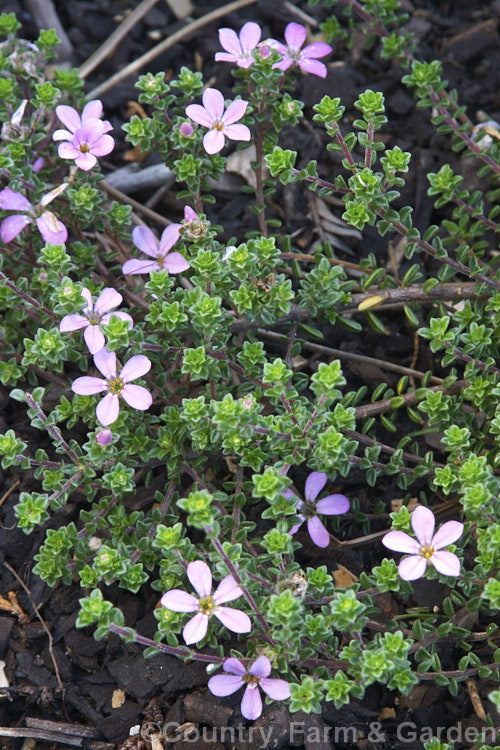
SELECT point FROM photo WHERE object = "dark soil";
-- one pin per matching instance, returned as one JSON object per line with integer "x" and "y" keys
{"x": 463, "y": 34}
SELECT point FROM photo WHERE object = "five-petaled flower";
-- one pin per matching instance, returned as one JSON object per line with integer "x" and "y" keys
{"x": 332, "y": 505}
{"x": 257, "y": 674}
{"x": 207, "y": 604}
{"x": 49, "y": 226}
{"x": 306, "y": 59}
{"x": 220, "y": 123}
{"x": 239, "y": 49}
{"x": 95, "y": 316}
{"x": 428, "y": 547}
{"x": 86, "y": 136}
{"x": 145, "y": 240}
{"x": 115, "y": 385}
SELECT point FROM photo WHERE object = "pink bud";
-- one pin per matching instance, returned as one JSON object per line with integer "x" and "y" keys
{"x": 264, "y": 51}
{"x": 104, "y": 437}
{"x": 38, "y": 164}
{"x": 186, "y": 129}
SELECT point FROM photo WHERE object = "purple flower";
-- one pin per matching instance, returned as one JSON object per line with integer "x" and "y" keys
{"x": 186, "y": 129}
{"x": 428, "y": 548}
{"x": 51, "y": 229}
{"x": 332, "y": 505}
{"x": 85, "y": 137}
{"x": 135, "y": 395}
{"x": 145, "y": 240}
{"x": 95, "y": 316}
{"x": 257, "y": 674}
{"x": 219, "y": 122}
{"x": 239, "y": 50}
{"x": 295, "y": 35}
{"x": 207, "y": 604}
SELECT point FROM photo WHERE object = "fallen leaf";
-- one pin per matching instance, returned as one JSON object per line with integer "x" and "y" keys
{"x": 386, "y": 713}
{"x": 343, "y": 577}
{"x": 118, "y": 699}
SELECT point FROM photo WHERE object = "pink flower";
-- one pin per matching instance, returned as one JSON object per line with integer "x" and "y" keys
{"x": 186, "y": 129}
{"x": 51, "y": 229}
{"x": 258, "y": 674}
{"x": 295, "y": 35}
{"x": 332, "y": 505}
{"x": 239, "y": 50}
{"x": 428, "y": 548}
{"x": 85, "y": 137}
{"x": 145, "y": 240}
{"x": 93, "y": 317}
{"x": 135, "y": 395}
{"x": 219, "y": 122}
{"x": 104, "y": 437}
{"x": 206, "y": 604}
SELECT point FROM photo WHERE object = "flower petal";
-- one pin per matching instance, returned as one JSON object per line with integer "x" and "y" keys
{"x": 136, "y": 367}
{"x": 224, "y": 684}
{"x": 169, "y": 237}
{"x": 195, "y": 629}
{"x": 179, "y": 601}
{"x": 137, "y": 396}
{"x": 251, "y": 704}
{"x": 227, "y": 57}
{"x": 62, "y": 135}
{"x": 145, "y": 240}
{"x": 51, "y": 229}
{"x": 261, "y": 667}
{"x": 234, "y": 666}
{"x": 447, "y": 534}
{"x": 108, "y": 409}
{"x": 103, "y": 145}
{"x": 92, "y": 109}
{"x": 68, "y": 150}
{"x": 106, "y": 363}
{"x": 175, "y": 263}
{"x": 277, "y": 690}
{"x": 233, "y": 619}
{"x": 85, "y": 161}
{"x": 213, "y": 101}
{"x": 12, "y": 226}
{"x": 250, "y": 36}
{"x": 446, "y": 563}
{"x": 69, "y": 117}
{"x": 140, "y": 266}
{"x": 412, "y": 567}
{"x": 235, "y": 111}
{"x": 401, "y": 542}
{"x": 198, "y": 114}
{"x": 237, "y": 132}
{"x": 200, "y": 577}
{"x": 213, "y": 141}
{"x": 94, "y": 338}
{"x": 314, "y": 50}
{"x": 72, "y": 323}
{"x": 318, "y": 532}
{"x": 332, "y": 505}
{"x": 227, "y": 591}
{"x": 423, "y": 522}
{"x": 314, "y": 484}
{"x": 229, "y": 41}
{"x": 189, "y": 214}
{"x": 107, "y": 299}
{"x": 87, "y": 386}
{"x": 12, "y": 201}
{"x": 315, "y": 67}
{"x": 295, "y": 35}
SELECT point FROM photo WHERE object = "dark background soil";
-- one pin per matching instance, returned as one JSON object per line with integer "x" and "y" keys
{"x": 91, "y": 671}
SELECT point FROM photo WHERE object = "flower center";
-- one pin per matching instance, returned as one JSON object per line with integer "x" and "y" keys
{"x": 308, "y": 510}
{"x": 116, "y": 386}
{"x": 94, "y": 319}
{"x": 217, "y": 125}
{"x": 206, "y": 606}
{"x": 250, "y": 679}
{"x": 426, "y": 551}
{"x": 84, "y": 148}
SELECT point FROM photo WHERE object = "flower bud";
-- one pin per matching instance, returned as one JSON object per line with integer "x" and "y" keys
{"x": 104, "y": 437}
